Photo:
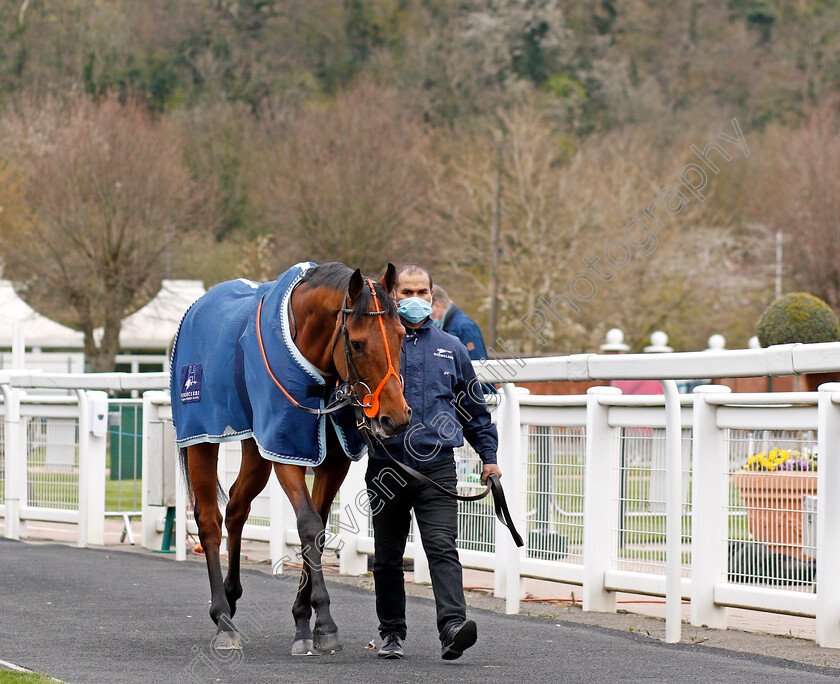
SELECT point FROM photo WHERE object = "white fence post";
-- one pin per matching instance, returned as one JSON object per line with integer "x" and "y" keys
{"x": 506, "y": 465}
{"x": 93, "y": 433}
{"x": 673, "y": 513}
{"x": 828, "y": 516}
{"x": 98, "y": 447}
{"x": 152, "y": 457}
{"x": 599, "y": 500}
{"x": 15, "y": 461}
{"x": 16, "y": 451}
{"x": 281, "y": 516}
{"x": 351, "y": 522}
{"x": 507, "y": 581}
{"x": 23, "y": 467}
{"x": 148, "y": 531}
{"x": 709, "y": 526}
{"x": 84, "y": 470}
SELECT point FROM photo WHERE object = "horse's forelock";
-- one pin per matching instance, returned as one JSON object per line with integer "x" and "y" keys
{"x": 336, "y": 276}
{"x": 364, "y": 303}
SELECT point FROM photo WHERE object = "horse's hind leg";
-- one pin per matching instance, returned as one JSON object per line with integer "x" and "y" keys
{"x": 253, "y": 475}
{"x": 202, "y": 462}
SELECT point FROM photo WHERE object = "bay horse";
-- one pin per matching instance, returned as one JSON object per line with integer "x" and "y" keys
{"x": 343, "y": 326}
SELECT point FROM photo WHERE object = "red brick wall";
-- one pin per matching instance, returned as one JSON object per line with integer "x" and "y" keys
{"x": 560, "y": 386}
{"x": 785, "y": 383}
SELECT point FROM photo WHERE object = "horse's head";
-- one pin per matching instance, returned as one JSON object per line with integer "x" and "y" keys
{"x": 373, "y": 344}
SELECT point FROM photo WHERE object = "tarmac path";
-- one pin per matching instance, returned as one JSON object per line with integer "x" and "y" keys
{"x": 100, "y": 615}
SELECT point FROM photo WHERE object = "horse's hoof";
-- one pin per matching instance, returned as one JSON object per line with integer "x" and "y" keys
{"x": 328, "y": 643}
{"x": 227, "y": 641}
{"x": 304, "y": 647}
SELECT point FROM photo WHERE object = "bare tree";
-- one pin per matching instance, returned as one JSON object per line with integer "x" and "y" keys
{"x": 344, "y": 181}
{"x": 797, "y": 191}
{"x": 578, "y": 256}
{"x": 539, "y": 229}
{"x": 106, "y": 194}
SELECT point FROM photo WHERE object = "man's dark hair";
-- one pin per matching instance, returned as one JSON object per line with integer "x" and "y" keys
{"x": 414, "y": 268}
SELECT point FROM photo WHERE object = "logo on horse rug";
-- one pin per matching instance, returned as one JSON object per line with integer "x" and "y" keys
{"x": 221, "y": 390}
{"x": 191, "y": 383}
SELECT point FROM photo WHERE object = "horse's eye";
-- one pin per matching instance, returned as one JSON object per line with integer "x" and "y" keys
{"x": 357, "y": 346}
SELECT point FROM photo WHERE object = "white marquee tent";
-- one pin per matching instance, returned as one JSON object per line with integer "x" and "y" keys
{"x": 154, "y": 326}
{"x": 145, "y": 335}
{"x": 40, "y": 331}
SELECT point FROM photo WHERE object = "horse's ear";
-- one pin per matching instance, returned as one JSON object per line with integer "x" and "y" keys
{"x": 354, "y": 289}
{"x": 389, "y": 280}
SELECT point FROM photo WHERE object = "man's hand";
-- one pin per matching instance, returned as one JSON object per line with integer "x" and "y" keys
{"x": 488, "y": 470}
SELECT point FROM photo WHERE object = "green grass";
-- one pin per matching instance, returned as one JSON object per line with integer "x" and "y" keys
{"x": 112, "y": 495}
{"x": 9, "y": 677}
{"x": 651, "y": 556}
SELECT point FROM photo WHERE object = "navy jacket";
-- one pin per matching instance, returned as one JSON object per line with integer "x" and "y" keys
{"x": 445, "y": 398}
{"x": 457, "y": 323}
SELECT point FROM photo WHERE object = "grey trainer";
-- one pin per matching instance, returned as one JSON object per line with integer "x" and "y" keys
{"x": 392, "y": 647}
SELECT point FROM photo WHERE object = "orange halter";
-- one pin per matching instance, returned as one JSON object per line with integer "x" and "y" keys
{"x": 371, "y": 401}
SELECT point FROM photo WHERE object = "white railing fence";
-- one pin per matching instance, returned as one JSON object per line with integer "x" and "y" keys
{"x": 645, "y": 494}
{"x": 54, "y": 462}
{"x": 53, "y": 455}
{"x": 586, "y": 481}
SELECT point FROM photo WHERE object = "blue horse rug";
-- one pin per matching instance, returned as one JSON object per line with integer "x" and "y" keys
{"x": 221, "y": 390}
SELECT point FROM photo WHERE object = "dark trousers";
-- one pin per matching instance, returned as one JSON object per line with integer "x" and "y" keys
{"x": 437, "y": 517}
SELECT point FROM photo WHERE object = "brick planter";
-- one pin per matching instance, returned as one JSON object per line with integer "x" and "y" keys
{"x": 773, "y": 500}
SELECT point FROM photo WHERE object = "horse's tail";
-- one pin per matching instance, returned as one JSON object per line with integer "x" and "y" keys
{"x": 221, "y": 494}
{"x": 185, "y": 471}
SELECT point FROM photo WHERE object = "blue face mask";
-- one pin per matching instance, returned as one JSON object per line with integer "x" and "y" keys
{"x": 414, "y": 309}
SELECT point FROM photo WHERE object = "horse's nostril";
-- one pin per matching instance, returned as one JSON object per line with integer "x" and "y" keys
{"x": 408, "y": 415}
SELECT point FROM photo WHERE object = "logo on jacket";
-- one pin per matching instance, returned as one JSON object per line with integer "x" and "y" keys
{"x": 444, "y": 353}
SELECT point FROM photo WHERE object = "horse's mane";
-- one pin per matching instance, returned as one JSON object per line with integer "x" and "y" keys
{"x": 336, "y": 276}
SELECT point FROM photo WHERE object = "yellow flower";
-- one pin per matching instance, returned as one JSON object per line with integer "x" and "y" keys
{"x": 772, "y": 460}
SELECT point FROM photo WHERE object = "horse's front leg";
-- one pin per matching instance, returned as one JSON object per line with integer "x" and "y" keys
{"x": 328, "y": 478}
{"x": 302, "y": 613}
{"x": 201, "y": 462}
{"x": 325, "y": 638}
{"x": 253, "y": 475}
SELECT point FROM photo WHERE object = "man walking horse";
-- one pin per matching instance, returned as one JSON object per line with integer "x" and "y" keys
{"x": 282, "y": 366}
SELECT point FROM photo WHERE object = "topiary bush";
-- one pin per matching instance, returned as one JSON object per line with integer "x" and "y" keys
{"x": 798, "y": 317}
